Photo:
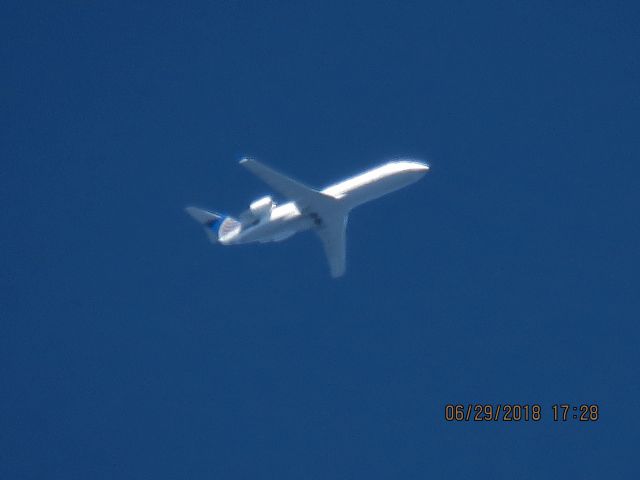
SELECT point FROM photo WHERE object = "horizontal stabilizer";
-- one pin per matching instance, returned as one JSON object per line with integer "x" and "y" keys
{"x": 209, "y": 220}
{"x": 203, "y": 216}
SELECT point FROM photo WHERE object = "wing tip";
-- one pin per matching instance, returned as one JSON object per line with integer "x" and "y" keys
{"x": 338, "y": 274}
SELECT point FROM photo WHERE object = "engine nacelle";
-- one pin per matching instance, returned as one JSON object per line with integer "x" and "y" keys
{"x": 262, "y": 207}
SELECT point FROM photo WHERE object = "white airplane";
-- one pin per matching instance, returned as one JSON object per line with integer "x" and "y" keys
{"x": 325, "y": 211}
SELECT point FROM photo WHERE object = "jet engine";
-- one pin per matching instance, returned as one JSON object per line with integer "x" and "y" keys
{"x": 262, "y": 207}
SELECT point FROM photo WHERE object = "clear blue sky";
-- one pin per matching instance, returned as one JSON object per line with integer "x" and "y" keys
{"x": 132, "y": 348}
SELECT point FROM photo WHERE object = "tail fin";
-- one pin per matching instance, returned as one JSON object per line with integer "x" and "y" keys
{"x": 216, "y": 226}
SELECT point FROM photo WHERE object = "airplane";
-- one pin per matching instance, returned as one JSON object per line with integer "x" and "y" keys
{"x": 324, "y": 211}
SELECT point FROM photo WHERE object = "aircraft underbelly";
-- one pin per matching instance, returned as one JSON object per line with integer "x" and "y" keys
{"x": 277, "y": 230}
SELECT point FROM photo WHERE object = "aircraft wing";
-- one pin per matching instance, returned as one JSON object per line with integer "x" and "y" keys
{"x": 334, "y": 240}
{"x": 333, "y": 219}
{"x": 305, "y": 197}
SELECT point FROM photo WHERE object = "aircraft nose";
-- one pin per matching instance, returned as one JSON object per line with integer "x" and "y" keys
{"x": 420, "y": 167}
{"x": 417, "y": 169}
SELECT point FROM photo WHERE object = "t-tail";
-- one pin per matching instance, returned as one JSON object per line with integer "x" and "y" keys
{"x": 219, "y": 228}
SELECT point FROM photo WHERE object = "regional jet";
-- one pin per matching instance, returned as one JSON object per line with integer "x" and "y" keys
{"x": 324, "y": 211}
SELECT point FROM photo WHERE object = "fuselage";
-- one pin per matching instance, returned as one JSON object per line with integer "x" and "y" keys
{"x": 377, "y": 182}
{"x": 286, "y": 219}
